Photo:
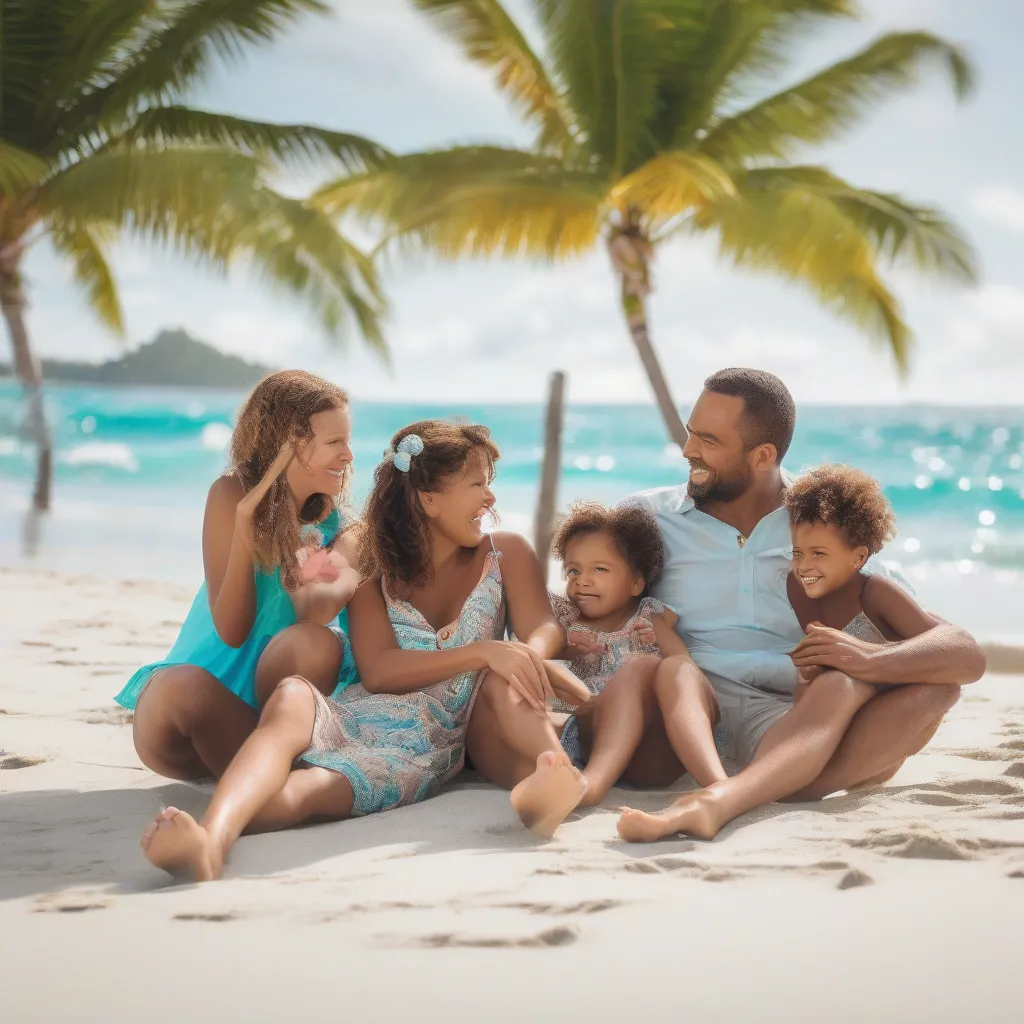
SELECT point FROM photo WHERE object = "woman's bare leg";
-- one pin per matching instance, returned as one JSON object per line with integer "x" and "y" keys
{"x": 793, "y": 753}
{"x": 689, "y": 709}
{"x": 257, "y": 775}
{"x": 188, "y": 725}
{"x": 306, "y": 650}
{"x": 517, "y": 748}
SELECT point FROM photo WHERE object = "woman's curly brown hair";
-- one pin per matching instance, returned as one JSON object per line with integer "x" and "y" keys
{"x": 632, "y": 529}
{"x": 847, "y": 499}
{"x": 396, "y": 543}
{"x": 279, "y": 410}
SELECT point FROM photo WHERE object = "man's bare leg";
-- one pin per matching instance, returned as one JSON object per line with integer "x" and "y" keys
{"x": 888, "y": 729}
{"x": 793, "y": 753}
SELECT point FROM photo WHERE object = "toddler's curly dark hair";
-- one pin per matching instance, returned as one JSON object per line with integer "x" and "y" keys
{"x": 632, "y": 529}
{"x": 847, "y": 499}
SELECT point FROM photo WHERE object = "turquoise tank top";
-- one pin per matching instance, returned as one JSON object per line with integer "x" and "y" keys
{"x": 198, "y": 642}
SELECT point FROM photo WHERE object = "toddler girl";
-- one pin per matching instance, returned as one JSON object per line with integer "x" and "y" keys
{"x": 611, "y": 558}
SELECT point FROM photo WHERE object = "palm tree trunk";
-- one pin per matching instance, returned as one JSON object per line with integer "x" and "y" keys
{"x": 636, "y": 317}
{"x": 27, "y": 367}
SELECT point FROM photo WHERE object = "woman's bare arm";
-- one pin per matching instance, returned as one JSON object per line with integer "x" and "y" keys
{"x": 228, "y": 564}
{"x": 384, "y": 667}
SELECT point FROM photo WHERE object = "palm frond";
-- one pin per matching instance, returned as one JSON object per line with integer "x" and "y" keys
{"x": 821, "y": 106}
{"x": 490, "y": 38}
{"x": 213, "y": 205}
{"x": 900, "y": 232}
{"x": 670, "y": 185}
{"x": 175, "y": 50}
{"x": 477, "y": 201}
{"x": 732, "y": 41}
{"x": 84, "y": 247}
{"x": 19, "y": 169}
{"x": 301, "y": 146}
{"x": 805, "y": 237}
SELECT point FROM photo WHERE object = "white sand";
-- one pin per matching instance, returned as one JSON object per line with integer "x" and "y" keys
{"x": 448, "y": 911}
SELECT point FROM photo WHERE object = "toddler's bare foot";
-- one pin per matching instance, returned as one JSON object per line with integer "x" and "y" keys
{"x": 696, "y": 814}
{"x": 545, "y": 799}
{"x": 175, "y": 842}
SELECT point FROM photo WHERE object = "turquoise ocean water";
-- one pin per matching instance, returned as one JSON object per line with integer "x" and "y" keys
{"x": 133, "y": 466}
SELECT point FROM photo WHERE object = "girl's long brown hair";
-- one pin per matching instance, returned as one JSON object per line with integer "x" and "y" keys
{"x": 396, "y": 543}
{"x": 279, "y": 410}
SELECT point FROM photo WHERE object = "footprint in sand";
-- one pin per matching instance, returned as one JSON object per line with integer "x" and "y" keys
{"x": 976, "y": 787}
{"x": 563, "y": 909}
{"x": 919, "y": 843}
{"x": 10, "y": 762}
{"x": 69, "y": 903}
{"x": 227, "y": 915}
{"x": 986, "y": 754}
{"x": 854, "y": 879}
{"x": 562, "y": 935}
{"x": 1016, "y": 770}
{"x": 1017, "y": 745}
{"x": 937, "y": 799}
{"x": 106, "y": 716}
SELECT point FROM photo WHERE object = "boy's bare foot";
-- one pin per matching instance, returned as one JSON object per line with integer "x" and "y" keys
{"x": 543, "y": 800}
{"x": 175, "y": 842}
{"x": 696, "y": 814}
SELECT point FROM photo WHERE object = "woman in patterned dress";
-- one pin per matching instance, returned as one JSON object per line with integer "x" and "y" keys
{"x": 427, "y": 626}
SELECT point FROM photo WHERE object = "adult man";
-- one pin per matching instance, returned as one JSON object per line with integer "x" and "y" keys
{"x": 728, "y": 550}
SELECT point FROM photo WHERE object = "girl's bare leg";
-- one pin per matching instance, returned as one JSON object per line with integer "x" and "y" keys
{"x": 690, "y": 711}
{"x": 517, "y": 748}
{"x": 616, "y": 726}
{"x": 792, "y": 754}
{"x": 255, "y": 781}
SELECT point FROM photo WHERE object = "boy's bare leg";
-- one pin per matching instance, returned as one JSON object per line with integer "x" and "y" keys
{"x": 690, "y": 711}
{"x": 792, "y": 754}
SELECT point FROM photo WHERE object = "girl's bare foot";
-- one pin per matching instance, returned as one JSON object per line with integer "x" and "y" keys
{"x": 543, "y": 800}
{"x": 696, "y": 814}
{"x": 175, "y": 842}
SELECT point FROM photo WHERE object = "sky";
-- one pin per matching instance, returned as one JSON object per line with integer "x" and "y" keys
{"x": 487, "y": 332}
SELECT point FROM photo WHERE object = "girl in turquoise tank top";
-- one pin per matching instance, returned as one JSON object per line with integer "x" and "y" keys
{"x": 278, "y": 575}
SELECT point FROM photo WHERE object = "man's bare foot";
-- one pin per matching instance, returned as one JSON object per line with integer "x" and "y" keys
{"x": 696, "y": 814}
{"x": 544, "y": 800}
{"x": 175, "y": 842}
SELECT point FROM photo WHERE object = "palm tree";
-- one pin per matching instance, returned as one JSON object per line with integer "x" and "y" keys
{"x": 92, "y": 146}
{"x": 656, "y": 120}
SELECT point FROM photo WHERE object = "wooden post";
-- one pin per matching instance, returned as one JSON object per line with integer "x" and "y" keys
{"x": 551, "y": 471}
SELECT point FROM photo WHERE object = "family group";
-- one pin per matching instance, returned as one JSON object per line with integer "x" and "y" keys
{"x": 738, "y": 628}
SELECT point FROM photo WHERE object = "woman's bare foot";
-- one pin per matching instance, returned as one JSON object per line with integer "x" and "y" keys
{"x": 696, "y": 814}
{"x": 544, "y": 800}
{"x": 175, "y": 842}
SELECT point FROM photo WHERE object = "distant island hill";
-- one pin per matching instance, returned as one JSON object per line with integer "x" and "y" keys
{"x": 171, "y": 359}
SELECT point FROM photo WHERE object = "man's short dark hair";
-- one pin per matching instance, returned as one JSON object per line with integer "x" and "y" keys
{"x": 769, "y": 414}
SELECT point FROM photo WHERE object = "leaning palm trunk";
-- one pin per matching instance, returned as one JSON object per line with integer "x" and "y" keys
{"x": 12, "y": 302}
{"x": 630, "y": 253}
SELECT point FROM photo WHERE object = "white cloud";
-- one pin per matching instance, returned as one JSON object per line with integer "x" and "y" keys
{"x": 1001, "y": 205}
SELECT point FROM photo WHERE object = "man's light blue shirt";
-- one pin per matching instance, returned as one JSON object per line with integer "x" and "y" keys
{"x": 734, "y": 615}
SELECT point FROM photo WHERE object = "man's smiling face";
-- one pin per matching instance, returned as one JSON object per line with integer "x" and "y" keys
{"x": 716, "y": 450}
